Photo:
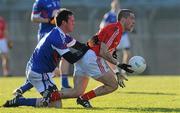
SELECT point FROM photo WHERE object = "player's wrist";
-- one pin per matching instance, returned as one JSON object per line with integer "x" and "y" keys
{"x": 51, "y": 20}
{"x": 116, "y": 70}
{"x": 117, "y": 63}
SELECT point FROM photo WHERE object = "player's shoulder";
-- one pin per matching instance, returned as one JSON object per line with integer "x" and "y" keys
{"x": 111, "y": 25}
{"x": 40, "y": 1}
{"x": 106, "y": 15}
{"x": 57, "y": 34}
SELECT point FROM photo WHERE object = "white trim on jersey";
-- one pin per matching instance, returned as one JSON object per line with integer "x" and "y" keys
{"x": 70, "y": 44}
{"x": 36, "y": 15}
{"x": 108, "y": 44}
{"x": 61, "y": 32}
{"x": 60, "y": 51}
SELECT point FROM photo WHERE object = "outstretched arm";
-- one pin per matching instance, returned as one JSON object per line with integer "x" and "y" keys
{"x": 104, "y": 53}
{"x": 74, "y": 57}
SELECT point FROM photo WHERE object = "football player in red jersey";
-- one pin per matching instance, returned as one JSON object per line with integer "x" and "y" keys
{"x": 93, "y": 63}
{"x": 5, "y": 44}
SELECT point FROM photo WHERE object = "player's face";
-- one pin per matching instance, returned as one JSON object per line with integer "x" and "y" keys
{"x": 70, "y": 24}
{"x": 130, "y": 22}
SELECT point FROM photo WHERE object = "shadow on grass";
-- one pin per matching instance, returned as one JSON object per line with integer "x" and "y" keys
{"x": 149, "y": 93}
{"x": 147, "y": 109}
{"x": 150, "y": 109}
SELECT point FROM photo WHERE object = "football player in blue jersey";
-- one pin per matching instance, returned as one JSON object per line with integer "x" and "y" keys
{"x": 124, "y": 45}
{"x": 43, "y": 13}
{"x": 45, "y": 58}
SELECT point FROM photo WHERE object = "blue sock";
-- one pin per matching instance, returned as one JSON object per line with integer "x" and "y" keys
{"x": 26, "y": 86}
{"x": 64, "y": 81}
{"x": 26, "y": 101}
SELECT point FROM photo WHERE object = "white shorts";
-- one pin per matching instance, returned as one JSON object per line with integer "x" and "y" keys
{"x": 3, "y": 46}
{"x": 124, "y": 43}
{"x": 40, "y": 81}
{"x": 90, "y": 65}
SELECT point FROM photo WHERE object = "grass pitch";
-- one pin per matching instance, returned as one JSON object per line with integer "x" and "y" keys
{"x": 143, "y": 94}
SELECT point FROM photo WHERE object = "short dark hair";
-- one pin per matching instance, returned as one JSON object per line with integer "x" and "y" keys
{"x": 62, "y": 14}
{"x": 124, "y": 13}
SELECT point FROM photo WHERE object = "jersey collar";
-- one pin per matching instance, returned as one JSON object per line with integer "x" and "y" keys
{"x": 61, "y": 31}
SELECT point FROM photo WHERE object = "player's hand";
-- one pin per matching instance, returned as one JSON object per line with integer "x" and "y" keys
{"x": 114, "y": 54}
{"x": 126, "y": 67}
{"x": 93, "y": 41}
{"x": 10, "y": 44}
{"x": 52, "y": 21}
{"x": 120, "y": 79}
{"x": 56, "y": 73}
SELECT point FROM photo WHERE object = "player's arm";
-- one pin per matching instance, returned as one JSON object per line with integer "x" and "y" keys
{"x": 104, "y": 53}
{"x": 72, "y": 43}
{"x": 68, "y": 55}
{"x": 104, "y": 21}
{"x": 73, "y": 57}
{"x": 38, "y": 19}
{"x": 36, "y": 14}
{"x": 107, "y": 56}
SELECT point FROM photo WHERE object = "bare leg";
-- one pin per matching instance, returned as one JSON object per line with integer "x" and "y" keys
{"x": 64, "y": 66}
{"x": 64, "y": 69}
{"x": 80, "y": 84}
{"x": 5, "y": 64}
{"x": 110, "y": 84}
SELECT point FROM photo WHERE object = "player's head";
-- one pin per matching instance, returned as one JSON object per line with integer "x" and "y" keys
{"x": 127, "y": 18}
{"x": 115, "y": 5}
{"x": 65, "y": 20}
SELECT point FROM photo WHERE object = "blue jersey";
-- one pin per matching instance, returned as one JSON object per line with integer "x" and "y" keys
{"x": 49, "y": 50}
{"x": 110, "y": 17}
{"x": 45, "y": 9}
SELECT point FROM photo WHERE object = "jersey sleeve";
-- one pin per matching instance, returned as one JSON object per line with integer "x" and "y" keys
{"x": 37, "y": 7}
{"x": 104, "y": 21}
{"x": 70, "y": 41}
{"x": 106, "y": 18}
{"x": 102, "y": 34}
{"x": 59, "y": 45}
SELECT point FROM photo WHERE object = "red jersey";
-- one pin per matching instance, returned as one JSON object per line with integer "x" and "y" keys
{"x": 110, "y": 35}
{"x": 2, "y": 28}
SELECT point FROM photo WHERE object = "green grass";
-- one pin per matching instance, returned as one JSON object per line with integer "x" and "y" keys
{"x": 143, "y": 94}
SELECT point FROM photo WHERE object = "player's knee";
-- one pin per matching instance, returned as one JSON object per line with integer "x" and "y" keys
{"x": 55, "y": 104}
{"x": 114, "y": 86}
{"x": 55, "y": 96}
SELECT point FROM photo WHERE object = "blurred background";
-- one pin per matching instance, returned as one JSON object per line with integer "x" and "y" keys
{"x": 157, "y": 36}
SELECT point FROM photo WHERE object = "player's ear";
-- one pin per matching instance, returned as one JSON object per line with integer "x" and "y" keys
{"x": 63, "y": 22}
{"x": 123, "y": 20}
